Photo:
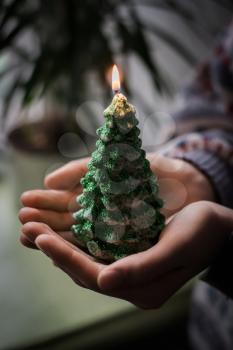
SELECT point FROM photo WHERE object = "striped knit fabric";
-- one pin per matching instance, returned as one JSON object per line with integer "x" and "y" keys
{"x": 205, "y": 139}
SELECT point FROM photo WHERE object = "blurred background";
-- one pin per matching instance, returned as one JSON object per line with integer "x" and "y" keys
{"x": 55, "y": 69}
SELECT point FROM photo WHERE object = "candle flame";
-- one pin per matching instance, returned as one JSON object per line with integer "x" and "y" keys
{"x": 116, "y": 85}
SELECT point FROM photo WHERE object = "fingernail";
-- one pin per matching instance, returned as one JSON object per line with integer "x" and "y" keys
{"x": 110, "y": 280}
{"x": 42, "y": 249}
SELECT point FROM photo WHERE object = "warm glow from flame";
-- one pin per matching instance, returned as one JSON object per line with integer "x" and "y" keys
{"x": 116, "y": 85}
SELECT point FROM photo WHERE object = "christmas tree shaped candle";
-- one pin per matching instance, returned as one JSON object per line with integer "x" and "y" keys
{"x": 120, "y": 206}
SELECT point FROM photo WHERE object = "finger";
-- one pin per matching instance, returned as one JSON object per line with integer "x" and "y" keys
{"x": 142, "y": 267}
{"x": 26, "y": 242}
{"x": 68, "y": 176}
{"x": 63, "y": 255}
{"x": 32, "y": 230}
{"x": 179, "y": 245}
{"x": 56, "y": 220}
{"x": 135, "y": 269}
{"x": 74, "y": 278}
{"x": 51, "y": 200}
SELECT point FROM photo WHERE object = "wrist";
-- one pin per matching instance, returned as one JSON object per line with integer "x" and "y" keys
{"x": 218, "y": 172}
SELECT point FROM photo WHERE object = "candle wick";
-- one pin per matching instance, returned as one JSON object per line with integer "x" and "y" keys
{"x": 115, "y": 92}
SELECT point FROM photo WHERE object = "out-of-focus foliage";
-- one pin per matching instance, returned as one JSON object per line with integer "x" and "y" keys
{"x": 54, "y": 44}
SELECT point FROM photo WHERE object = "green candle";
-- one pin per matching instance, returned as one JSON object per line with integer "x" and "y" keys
{"x": 120, "y": 207}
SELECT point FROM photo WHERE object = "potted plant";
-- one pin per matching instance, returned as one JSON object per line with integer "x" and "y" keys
{"x": 53, "y": 52}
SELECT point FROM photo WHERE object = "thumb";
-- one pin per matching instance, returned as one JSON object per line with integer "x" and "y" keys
{"x": 137, "y": 269}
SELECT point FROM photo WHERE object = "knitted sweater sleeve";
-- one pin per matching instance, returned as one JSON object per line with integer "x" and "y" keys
{"x": 204, "y": 137}
{"x": 212, "y": 153}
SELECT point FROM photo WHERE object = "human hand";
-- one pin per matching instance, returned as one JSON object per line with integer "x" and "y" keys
{"x": 180, "y": 184}
{"x": 55, "y": 204}
{"x": 188, "y": 244}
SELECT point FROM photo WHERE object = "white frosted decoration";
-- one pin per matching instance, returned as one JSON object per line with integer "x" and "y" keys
{"x": 70, "y": 145}
{"x": 89, "y": 117}
{"x": 142, "y": 221}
